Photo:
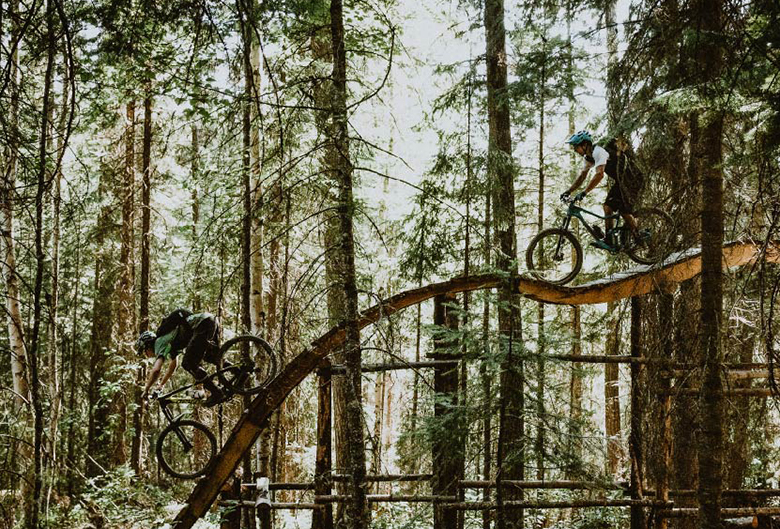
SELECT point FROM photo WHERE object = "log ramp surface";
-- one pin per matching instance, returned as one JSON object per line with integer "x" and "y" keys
{"x": 643, "y": 280}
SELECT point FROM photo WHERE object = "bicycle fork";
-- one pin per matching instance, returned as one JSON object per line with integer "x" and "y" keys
{"x": 186, "y": 444}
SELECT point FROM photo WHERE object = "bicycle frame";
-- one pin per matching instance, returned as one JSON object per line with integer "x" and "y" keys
{"x": 577, "y": 212}
{"x": 165, "y": 400}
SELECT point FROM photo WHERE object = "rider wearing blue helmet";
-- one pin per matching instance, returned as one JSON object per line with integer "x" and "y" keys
{"x": 604, "y": 162}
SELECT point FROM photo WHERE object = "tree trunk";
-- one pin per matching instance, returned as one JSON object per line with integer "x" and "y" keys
{"x": 357, "y": 515}
{"x": 710, "y": 455}
{"x": 126, "y": 289}
{"x": 446, "y": 459}
{"x": 253, "y": 83}
{"x": 33, "y": 503}
{"x": 636, "y": 444}
{"x": 613, "y": 105}
{"x": 540, "y": 335}
{"x": 485, "y": 377}
{"x": 146, "y": 214}
{"x": 246, "y": 225}
{"x": 511, "y": 446}
{"x": 612, "y": 391}
{"x": 575, "y": 393}
{"x": 8, "y": 260}
{"x": 55, "y": 360}
{"x": 665, "y": 332}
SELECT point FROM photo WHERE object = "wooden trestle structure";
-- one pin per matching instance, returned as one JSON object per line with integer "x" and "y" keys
{"x": 446, "y": 487}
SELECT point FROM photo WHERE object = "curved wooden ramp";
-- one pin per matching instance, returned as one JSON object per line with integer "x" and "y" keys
{"x": 633, "y": 283}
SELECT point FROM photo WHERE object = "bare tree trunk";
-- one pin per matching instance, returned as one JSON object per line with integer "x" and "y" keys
{"x": 358, "y": 515}
{"x": 636, "y": 438}
{"x": 33, "y": 503}
{"x": 55, "y": 360}
{"x": 540, "y": 336}
{"x": 8, "y": 260}
{"x": 610, "y": 24}
{"x": 511, "y": 445}
{"x": 445, "y": 456}
{"x": 575, "y": 391}
{"x": 146, "y": 216}
{"x": 612, "y": 391}
{"x": 485, "y": 378}
{"x": 710, "y": 454}
{"x": 665, "y": 334}
{"x": 253, "y": 82}
{"x": 379, "y": 408}
{"x": 70, "y": 444}
{"x": 246, "y": 225}
{"x": 126, "y": 288}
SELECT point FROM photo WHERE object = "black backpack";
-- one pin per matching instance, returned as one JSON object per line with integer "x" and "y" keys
{"x": 177, "y": 318}
{"x": 624, "y": 169}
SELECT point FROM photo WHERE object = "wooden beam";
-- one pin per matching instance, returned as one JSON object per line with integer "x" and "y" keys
{"x": 255, "y": 417}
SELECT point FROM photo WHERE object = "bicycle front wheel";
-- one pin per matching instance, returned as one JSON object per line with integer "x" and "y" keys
{"x": 655, "y": 237}
{"x": 555, "y": 256}
{"x": 185, "y": 449}
{"x": 248, "y": 364}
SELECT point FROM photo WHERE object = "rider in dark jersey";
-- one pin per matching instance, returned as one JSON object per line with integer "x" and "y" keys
{"x": 195, "y": 334}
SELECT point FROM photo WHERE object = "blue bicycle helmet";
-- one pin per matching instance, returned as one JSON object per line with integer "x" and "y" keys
{"x": 145, "y": 341}
{"x": 578, "y": 138}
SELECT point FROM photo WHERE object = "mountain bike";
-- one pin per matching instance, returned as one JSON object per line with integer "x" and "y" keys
{"x": 555, "y": 254}
{"x": 186, "y": 447}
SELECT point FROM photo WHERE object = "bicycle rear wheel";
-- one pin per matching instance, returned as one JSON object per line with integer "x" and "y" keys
{"x": 248, "y": 364}
{"x": 555, "y": 256}
{"x": 656, "y": 237}
{"x": 185, "y": 449}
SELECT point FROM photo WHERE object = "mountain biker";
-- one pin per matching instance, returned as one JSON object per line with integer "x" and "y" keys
{"x": 616, "y": 160}
{"x": 197, "y": 335}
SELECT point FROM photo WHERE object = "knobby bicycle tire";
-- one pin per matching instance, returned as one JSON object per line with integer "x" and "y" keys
{"x": 551, "y": 237}
{"x": 661, "y": 241}
{"x": 261, "y": 366}
{"x": 199, "y": 456}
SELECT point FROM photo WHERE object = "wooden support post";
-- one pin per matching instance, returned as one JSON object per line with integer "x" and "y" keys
{"x": 447, "y": 461}
{"x": 666, "y": 328}
{"x": 323, "y": 518}
{"x": 635, "y": 447}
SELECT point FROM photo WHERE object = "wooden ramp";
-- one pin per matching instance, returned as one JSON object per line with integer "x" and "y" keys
{"x": 643, "y": 280}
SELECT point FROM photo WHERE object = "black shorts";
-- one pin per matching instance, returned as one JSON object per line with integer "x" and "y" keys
{"x": 617, "y": 200}
{"x": 204, "y": 345}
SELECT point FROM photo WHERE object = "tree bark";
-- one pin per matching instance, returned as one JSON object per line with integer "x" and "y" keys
{"x": 636, "y": 444}
{"x": 357, "y": 513}
{"x": 8, "y": 261}
{"x": 446, "y": 456}
{"x": 246, "y": 224}
{"x": 511, "y": 446}
{"x": 126, "y": 288}
{"x": 33, "y": 503}
{"x": 146, "y": 210}
{"x": 612, "y": 391}
{"x": 540, "y": 333}
{"x": 710, "y": 455}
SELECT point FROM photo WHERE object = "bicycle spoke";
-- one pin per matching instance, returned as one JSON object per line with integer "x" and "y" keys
{"x": 554, "y": 256}
{"x": 185, "y": 449}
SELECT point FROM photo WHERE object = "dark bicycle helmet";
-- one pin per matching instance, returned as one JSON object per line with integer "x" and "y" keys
{"x": 145, "y": 340}
{"x": 580, "y": 137}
